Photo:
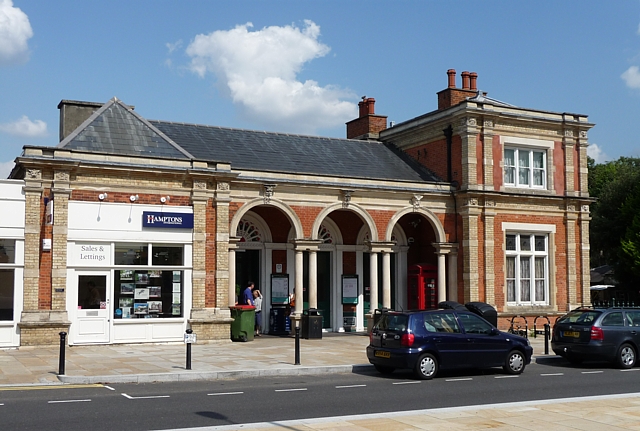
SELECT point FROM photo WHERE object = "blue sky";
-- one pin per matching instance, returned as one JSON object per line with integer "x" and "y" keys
{"x": 302, "y": 66}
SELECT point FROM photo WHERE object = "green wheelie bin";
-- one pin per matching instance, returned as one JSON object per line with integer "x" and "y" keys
{"x": 242, "y": 328}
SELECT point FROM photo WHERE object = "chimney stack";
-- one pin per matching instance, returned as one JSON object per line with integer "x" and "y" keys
{"x": 367, "y": 125}
{"x": 451, "y": 95}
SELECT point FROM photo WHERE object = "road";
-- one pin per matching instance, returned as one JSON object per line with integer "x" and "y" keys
{"x": 161, "y": 406}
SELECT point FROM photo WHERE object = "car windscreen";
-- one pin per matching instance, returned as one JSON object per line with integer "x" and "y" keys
{"x": 393, "y": 322}
{"x": 580, "y": 317}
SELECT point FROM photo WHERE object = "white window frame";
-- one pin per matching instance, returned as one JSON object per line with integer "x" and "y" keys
{"x": 530, "y": 255}
{"x": 533, "y": 146}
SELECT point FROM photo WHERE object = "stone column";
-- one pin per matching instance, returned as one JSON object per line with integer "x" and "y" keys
{"x": 569, "y": 147}
{"x": 470, "y": 213}
{"x": 468, "y": 133}
{"x": 442, "y": 291}
{"x": 489, "y": 251}
{"x": 570, "y": 221}
{"x": 585, "y": 263}
{"x": 222, "y": 201}
{"x": 61, "y": 192}
{"x": 313, "y": 279}
{"x": 298, "y": 284}
{"x": 199, "y": 200}
{"x": 487, "y": 156}
{"x": 373, "y": 282}
{"x": 33, "y": 194}
{"x": 452, "y": 291}
{"x": 386, "y": 279}
{"x": 233, "y": 245}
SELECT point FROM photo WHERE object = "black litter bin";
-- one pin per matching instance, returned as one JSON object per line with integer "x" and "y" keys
{"x": 484, "y": 310}
{"x": 452, "y": 305}
{"x": 311, "y": 324}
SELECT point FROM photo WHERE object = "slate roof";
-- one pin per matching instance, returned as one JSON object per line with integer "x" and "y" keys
{"x": 116, "y": 129}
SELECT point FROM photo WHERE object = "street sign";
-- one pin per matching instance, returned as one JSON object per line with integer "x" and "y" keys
{"x": 190, "y": 338}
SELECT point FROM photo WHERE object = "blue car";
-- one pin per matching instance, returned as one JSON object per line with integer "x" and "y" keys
{"x": 427, "y": 341}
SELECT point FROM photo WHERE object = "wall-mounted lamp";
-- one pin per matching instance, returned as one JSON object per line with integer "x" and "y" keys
{"x": 133, "y": 198}
{"x": 165, "y": 199}
{"x": 102, "y": 196}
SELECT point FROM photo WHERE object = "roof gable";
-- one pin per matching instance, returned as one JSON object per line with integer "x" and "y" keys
{"x": 116, "y": 129}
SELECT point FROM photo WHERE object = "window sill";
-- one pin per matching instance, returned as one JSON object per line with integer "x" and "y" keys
{"x": 144, "y": 321}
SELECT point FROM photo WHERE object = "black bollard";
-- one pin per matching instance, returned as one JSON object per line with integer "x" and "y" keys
{"x": 189, "y": 331}
{"x": 297, "y": 343}
{"x": 63, "y": 336}
{"x": 547, "y": 334}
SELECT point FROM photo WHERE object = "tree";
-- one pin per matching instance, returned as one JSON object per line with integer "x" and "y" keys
{"x": 615, "y": 225}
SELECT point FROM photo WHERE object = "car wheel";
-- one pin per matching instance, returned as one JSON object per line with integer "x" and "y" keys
{"x": 574, "y": 359}
{"x": 384, "y": 370}
{"x": 626, "y": 356}
{"x": 426, "y": 367}
{"x": 515, "y": 362}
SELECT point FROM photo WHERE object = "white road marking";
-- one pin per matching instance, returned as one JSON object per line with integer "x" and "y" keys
{"x": 405, "y": 383}
{"x": 291, "y": 390}
{"x": 459, "y": 380}
{"x": 505, "y": 377}
{"x": 69, "y": 401}
{"x": 553, "y": 374}
{"x": 109, "y": 387}
{"x": 592, "y": 372}
{"x": 350, "y": 386}
{"x": 227, "y": 393}
{"x": 632, "y": 369}
{"x": 145, "y": 398}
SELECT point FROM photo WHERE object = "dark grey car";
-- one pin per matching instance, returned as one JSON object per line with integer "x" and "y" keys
{"x": 611, "y": 334}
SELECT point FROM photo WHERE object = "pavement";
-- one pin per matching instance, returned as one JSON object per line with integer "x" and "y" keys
{"x": 274, "y": 355}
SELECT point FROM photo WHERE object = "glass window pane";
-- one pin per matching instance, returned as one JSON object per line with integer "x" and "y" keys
{"x": 509, "y": 158}
{"x": 525, "y": 269}
{"x": 538, "y": 177}
{"x": 510, "y": 175}
{"x": 164, "y": 255}
{"x": 92, "y": 291}
{"x": 511, "y": 242}
{"x": 7, "y": 251}
{"x": 541, "y": 244}
{"x": 6, "y": 294}
{"x": 538, "y": 160}
{"x": 147, "y": 294}
{"x": 511, "y": 279}
{"x": 132, "y": 254}
{"x": 525, "y": 290}
{"x": 523, "y": 176}
{"x": 523, "y": 159}
{"x": 525, "y": 243}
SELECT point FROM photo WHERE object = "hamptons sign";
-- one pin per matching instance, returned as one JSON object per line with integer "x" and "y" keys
{"x": 167, "y": 220}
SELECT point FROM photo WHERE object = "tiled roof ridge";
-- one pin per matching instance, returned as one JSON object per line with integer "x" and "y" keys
{"x": 297, "y": 135}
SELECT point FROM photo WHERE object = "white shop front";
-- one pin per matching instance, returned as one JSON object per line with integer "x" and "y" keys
{"x": 12, "y": 203}
{"x": 128, "y": 272}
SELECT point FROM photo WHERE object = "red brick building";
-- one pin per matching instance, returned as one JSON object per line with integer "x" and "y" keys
{"x": 165, "y": 222}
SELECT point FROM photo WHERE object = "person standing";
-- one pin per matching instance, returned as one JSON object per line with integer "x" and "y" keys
{"x": 257, "y": 301}
{"x": 247, "y": 295}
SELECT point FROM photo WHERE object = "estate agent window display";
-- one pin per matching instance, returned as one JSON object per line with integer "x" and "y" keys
{"x": 145, "y": 290}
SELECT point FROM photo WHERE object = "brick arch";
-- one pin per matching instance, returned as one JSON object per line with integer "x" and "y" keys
{"x": 364, "y": 215}
{"x": 286, "y": 209}
{"x": 428, "y": 214}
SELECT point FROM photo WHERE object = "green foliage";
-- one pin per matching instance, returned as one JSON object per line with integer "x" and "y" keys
{"x": 615, "y": 225}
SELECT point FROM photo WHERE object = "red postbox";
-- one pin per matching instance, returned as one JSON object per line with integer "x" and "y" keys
{"x": 422, "y": 289}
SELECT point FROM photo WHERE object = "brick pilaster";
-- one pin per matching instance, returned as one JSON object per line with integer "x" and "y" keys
{"x": 470, "y": 213}
{"x": 489, "y": 251}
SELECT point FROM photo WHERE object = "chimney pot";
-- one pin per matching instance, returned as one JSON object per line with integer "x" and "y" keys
{"x": 473, "y": 76}
{"x": 465, "y": 80}
{"x": 451, "y": 73}
{"x": 370, "y": 105}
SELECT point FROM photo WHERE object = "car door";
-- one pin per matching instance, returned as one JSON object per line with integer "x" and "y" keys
{"x": 448, "y": 339}
{"x": 633, "y": 323}
{"x": 614, "y": 330}
{"x": 486, "y": 347}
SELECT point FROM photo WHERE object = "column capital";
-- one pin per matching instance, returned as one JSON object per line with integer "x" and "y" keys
{"x": 445, "y": 247}
{"x": 306, "y": 244}
{"x": 381, "y": 246}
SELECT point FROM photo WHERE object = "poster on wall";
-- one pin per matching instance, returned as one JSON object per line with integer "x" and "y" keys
{"x": 350, "y": 289}
{"x": 279, "y": 289}
{"x": 155, "y": 306}
{"x": 140, "y": 308}
{"x": 127, "y": 288}
{"x": 141, "y": 293}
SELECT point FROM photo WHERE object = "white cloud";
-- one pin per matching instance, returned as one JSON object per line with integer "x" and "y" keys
{"x": 15, "y": 31}
{"x": 25, "y": 127}
{"x": 258, "y": 70}
{"x": 173, "y": 46}
{"x": 596, "y": 153}
{"x": 5, "y": 169}
{"x": 632, "y": 77}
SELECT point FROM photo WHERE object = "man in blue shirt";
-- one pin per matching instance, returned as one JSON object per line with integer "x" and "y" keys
{"x": 247, "y": 295}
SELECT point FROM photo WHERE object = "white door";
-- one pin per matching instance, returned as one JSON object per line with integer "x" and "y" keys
{"x": 93, "y": 313}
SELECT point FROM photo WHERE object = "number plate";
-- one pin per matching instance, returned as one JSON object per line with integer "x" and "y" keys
{"x": 572, "y": 334}
{"x": 381, "y": 354}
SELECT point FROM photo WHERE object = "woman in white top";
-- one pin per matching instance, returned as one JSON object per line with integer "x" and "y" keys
{"x": 257, "y": 302}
